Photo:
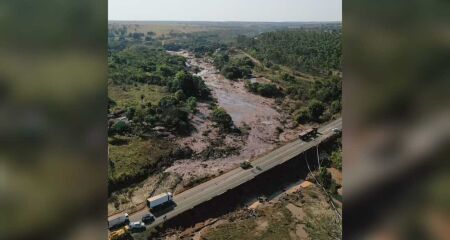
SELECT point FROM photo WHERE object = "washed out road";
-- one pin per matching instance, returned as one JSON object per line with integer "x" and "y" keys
{"x": 219, "y": 185}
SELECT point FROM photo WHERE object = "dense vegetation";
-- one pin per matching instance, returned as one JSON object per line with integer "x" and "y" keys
{"x": 198, "y": 43}
{"x": 233, "y": 67}
{"x": 150, "y": 93}
{"x": 311, "y": 51}
{"x": 263, "y": 89}
{"x": 141, "y": 65}
{"x": 323, "y": 100}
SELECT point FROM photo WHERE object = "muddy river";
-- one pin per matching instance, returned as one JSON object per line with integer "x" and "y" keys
{"x": 245, "y": 108}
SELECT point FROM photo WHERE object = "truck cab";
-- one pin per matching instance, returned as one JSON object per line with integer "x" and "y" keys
{"x": 308, "y": 134}
{"x": 246, "y": 165}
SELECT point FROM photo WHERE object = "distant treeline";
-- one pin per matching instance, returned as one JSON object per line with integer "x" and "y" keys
{"x": 311, "y": 51}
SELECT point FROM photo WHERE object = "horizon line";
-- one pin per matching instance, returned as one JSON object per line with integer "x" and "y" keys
{"x": 223, "y": 21}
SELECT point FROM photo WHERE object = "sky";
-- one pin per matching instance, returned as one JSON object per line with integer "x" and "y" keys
{"x": 226, "y": 10}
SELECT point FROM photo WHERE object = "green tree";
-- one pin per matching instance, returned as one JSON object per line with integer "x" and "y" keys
{"x": 130, "y": 112}
{"x": 168, "y": 102}
{"x": 335, "y": 107}
{"x": 191, "y": 103}
{"x": 336, "y": 159}
{"x": 222, "y": 118}
{"x": 324, "y": 177}
{"x": 302, "y": 115}
{"x": 120, "y": 128}
{"x": 179, "y": 95}
{"x": 315, "y": 109}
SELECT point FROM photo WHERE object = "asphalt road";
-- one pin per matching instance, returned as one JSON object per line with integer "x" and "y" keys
{"x": 217, "y": 186}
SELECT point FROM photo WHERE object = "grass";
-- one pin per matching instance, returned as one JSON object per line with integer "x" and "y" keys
{"x": 130, "y": 95}
{"x": 279, "y": 222}
{"x": 133, "y": 159}
{"x": 237, "y": 230}
{"x": 319, "y": 220}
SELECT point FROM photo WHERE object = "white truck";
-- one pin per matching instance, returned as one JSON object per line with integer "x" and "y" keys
{"x": 159, "y": 200}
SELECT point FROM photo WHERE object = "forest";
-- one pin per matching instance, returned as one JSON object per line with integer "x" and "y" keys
{"x": 311, "y": 51}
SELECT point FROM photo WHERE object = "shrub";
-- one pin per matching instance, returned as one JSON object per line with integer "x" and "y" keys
{"x": 263, "y": 89}
{"x": 120, "y": 128}
{"x": 336, "y": 159}
{"x": 315, "y": 109}
{"x": 302, "y": 115}
{"x": 191, "y": 103}
{"x": 222, "y": 118}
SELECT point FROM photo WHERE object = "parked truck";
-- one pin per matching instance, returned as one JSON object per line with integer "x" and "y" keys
{"x": 118, "y": 222}
{"x": 160, "y": 199}
{"x": 308, "y": 134}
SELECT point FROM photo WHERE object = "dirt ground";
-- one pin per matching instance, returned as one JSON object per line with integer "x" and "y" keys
{"x": 265, "y": 124}
{"x": 284, "y": 217}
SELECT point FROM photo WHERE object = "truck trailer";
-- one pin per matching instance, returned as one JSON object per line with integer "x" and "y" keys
{"x": 118, "y": 222}
{"x": 160, "y": 199}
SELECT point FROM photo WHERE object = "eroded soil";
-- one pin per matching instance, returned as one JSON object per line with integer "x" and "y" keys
{"x": 265, "y": 126}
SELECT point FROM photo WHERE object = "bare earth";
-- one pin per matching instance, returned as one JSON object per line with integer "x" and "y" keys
{"x": 246, "y": 109}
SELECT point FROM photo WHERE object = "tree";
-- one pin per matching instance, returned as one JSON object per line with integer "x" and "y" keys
{"x": 335, "y": 107}
{"x": 191, "y": 103}
{"x": 231, "y": 72}
{"x": 222, "y": 118}
{"x": 324, "y": 177}
{"x": 130, "y": 113}
{"x": 120, "y": 128}
{"x": 167, "y": 102}
{"x": 268, "y": 90}
{"x": 179, "y": 95}
{"x": 336, "y": 159}
{"x": 137, "y": 36}
{"x": 302, "y": 115}
{"x": 316, "y": 109}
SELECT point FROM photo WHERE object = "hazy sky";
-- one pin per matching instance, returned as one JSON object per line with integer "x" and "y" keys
{"x": 226, "y": 10}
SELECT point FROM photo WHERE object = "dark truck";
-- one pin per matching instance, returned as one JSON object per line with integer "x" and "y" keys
{"x": 246, "y": 165}
{"x": 308, "y": 134}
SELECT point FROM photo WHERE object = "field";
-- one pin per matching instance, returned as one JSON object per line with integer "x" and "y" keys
{"x": 131, "y": 158}
{"x": 160, "y": 28}
{"x": 130, "y": 95}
